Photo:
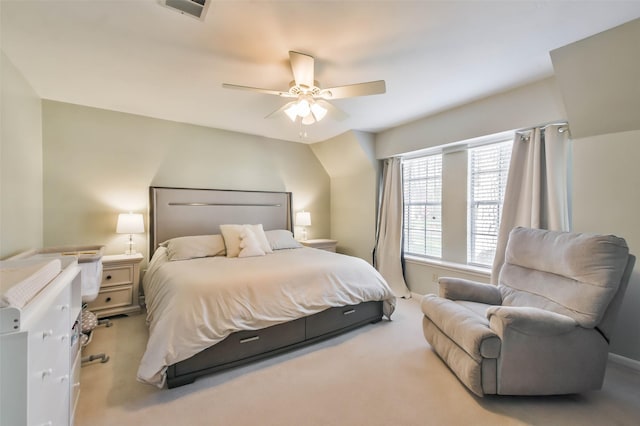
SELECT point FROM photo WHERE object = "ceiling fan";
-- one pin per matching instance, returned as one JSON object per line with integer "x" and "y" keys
{"x": 310, "y": 101}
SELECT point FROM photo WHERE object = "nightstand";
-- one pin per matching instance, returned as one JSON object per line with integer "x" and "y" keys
{"x": 322, "y": 244}
{"x": 119, "y": 287}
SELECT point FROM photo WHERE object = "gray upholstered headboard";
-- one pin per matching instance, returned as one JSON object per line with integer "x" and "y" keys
{"x": 179, "y": 212}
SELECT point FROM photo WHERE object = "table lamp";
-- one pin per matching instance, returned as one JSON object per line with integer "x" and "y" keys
{"x": 130, "y": 223}
{"x": 303, "y": 219}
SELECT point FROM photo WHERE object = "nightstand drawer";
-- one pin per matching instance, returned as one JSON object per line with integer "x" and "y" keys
{"x": 112, "y": 298}
{"x": 117, "y": 276}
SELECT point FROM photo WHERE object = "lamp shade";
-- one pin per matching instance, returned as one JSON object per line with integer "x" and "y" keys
{"x": 303, "y": 218}
{"x": 130, "y": 223}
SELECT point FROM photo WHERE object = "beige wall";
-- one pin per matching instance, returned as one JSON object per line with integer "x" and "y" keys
{"x": 20, "y": 163}
{"x": 99, "y": 163}
{"x": 350, "y": 162}
{"x": 598, "y": 77}
{"x": 525, "y": 106}
{"x": 606, "y": 199}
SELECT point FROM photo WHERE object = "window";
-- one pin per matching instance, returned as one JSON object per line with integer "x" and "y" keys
{"x": 422, "y": 180}
{"x": 488, "y": 170}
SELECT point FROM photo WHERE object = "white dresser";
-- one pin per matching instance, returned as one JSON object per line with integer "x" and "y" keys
{"x": 40, "y": 354}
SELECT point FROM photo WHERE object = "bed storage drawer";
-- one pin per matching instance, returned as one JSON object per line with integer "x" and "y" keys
{"x": 244, "y": 344}
{"x": 334, "y": 319}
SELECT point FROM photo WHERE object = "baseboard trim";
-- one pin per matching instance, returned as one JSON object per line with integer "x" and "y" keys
{"x": 627, "y": 362}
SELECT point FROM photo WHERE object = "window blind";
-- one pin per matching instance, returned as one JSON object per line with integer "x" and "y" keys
{"x": 422, "y": 186}
{"x": 488, "y": 171}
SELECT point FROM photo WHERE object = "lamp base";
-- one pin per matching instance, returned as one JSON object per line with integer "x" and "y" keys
{"x": 131, "y": 247}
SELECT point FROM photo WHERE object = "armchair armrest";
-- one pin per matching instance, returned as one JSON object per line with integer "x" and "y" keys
{"x": 529, "y": 321}
{"x": 461, "y": 289}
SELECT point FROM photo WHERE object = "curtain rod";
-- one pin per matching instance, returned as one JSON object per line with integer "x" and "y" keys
{"x": 224, "y": 204}
{"x": 544, "y": 126}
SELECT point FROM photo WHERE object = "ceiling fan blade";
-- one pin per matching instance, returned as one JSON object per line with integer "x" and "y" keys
{"x": 353, "y": 90}
{"x": 333, "y": 111}
{"x": 257, "y": 89}
{"x": 302, "y": 67}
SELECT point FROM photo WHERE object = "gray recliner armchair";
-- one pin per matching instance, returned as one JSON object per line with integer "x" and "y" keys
{"x": 545, "y": 328}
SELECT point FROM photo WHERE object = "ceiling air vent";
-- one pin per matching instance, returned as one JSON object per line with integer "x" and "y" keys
{"x": 195, "y": 8}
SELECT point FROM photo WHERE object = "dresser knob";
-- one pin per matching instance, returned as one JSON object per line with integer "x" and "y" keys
{"x": 47, "y": 333}
{"x": 108, "y": 299}
{"x": 108, "y": 277}
{"x": 46, "y": 373}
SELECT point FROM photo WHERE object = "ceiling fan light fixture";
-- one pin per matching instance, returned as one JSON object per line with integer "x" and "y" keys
{"x": 318, "y": 111}
{"x": 304, "y": 108}
{"x": 308, "y": 120}
{"x": 292, "y": 111}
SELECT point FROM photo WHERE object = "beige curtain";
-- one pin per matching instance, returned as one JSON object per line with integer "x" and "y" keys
{"x": 538, "y": 186}
{"x": 388, "y": 251}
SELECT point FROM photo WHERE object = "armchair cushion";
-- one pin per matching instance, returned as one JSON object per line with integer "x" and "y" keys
{"x": 461, "y": 289}
{"x": 572, "y": 274}
{"x": 469, "y": 330}
{"x": 530, "y": 321}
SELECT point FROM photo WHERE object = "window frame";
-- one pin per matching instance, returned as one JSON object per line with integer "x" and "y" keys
{"x": 454, "y": 244}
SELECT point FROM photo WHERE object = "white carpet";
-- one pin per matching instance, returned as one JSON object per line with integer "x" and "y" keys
{"x": 382, "y": 374}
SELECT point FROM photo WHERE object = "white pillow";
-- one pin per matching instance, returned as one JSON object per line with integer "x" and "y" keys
{"x": 192, "y": 247}
{"x": 280, "y": 239}
{"x": 231, "y": 234}
{"x": 249, "y": 244}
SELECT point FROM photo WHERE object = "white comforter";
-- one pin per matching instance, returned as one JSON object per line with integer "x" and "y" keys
{"x": 196, "y": 303}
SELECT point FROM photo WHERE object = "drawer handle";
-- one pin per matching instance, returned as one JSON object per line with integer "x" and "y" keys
{"x": 47, "y": 333}
{"x": 47, "y": 372}
{"x": 349, "y": 312}
{"x": 108, "y": 299}
{"x": 108, "y": 277}
{"x": 250, "y": 339}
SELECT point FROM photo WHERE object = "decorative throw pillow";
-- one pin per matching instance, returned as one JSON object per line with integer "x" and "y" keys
{"x": 249, "y": 245}
{"x": 231, "y": 235}
{"x": 280, "y": 239}
{"x": 258, "y": 231}
{"x": 192, "y": 247}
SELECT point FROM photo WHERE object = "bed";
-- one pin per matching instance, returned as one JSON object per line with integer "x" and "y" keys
{"x": 221, "y": 294}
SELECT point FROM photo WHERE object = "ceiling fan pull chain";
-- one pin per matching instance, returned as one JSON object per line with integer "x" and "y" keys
{"x": 303, "y": 132}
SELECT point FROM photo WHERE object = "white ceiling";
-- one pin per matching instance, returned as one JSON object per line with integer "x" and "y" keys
{"x": 139, "y": 57}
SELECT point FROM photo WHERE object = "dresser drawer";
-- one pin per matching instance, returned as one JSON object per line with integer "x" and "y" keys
{"x": 50, "y": 334}
{"x": 337, "y": 318}
{"x": 75, "y": 386}
{"x": 117, "y": 275}
{"x": 112, "y": 298}
{"x": 244, "y": 344}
